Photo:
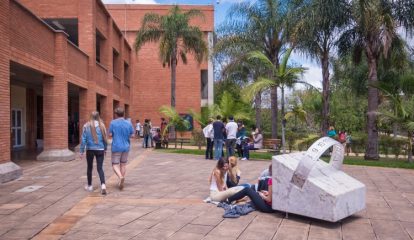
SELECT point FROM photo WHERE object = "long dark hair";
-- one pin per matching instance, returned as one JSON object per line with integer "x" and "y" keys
{"x": 220, "y": 164}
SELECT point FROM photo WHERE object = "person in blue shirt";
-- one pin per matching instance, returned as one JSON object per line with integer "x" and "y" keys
{"x": 94, "y": 140}
{"x": 219, "y": 129}
{"x": 120, "y": 130}
{"x": 331, "y": 132}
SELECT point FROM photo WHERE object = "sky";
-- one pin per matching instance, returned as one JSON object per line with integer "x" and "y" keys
{"x": 314, "y": 73}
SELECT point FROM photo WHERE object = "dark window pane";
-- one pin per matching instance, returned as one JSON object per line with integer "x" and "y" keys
{"x": 19, "y": 118}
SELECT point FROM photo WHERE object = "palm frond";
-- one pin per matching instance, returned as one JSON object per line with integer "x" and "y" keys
{"x": 259, "y": 56}
{"x": 260, "y": 85}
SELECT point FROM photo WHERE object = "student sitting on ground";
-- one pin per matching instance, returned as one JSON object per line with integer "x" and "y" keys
{"x": 234, "y": 172}
{"x": 262, "y": 200}
{"x": 218, "y": 178}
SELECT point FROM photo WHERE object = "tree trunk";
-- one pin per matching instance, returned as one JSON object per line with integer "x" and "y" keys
{"x": 325, "y": 94}
{"x": 283, "y": 102}
{"x": 258, "y": 109}
{"x": 283, "y": 118}
{"x": 410, "y": 147}
{"x": 371, "y": 152}
{"x": 273, "y": 109}
{"x": 173, "y": 80}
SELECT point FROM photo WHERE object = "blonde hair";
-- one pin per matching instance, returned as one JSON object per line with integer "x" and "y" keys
{"x": 233, "y": 168}
{"x": 95, "y": 117}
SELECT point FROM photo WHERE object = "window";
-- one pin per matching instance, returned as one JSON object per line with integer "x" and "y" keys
{"x": 204, "y": 84}
{"x": 115, "y": 64}
{"x": 100, "y": 43}
{"x": 126, "y": 74}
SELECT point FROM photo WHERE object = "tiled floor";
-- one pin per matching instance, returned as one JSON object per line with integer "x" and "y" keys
{"x": 163, "y": 196}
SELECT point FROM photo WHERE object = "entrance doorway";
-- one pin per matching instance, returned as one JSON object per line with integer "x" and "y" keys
{"x": 17, "y": 123}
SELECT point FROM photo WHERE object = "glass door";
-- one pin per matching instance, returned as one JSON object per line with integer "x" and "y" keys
{"x": 16, "y": 123}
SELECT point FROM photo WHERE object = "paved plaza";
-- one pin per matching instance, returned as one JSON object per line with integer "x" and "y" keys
{"x": 163, "y": 197}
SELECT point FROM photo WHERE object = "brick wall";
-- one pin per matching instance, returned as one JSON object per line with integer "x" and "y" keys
{"x": 30, "y": 34}
{"x": 4, "y": 82}
{"x": 77, "y": 62}
{"x": 53, "y": 8}
{"x": 101, "y": 20}
{"x": 55, "y": 100}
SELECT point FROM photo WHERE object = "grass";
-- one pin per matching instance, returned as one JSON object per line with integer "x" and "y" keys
{"x": 253, "y": 155}
{"x": 351, "y": 160}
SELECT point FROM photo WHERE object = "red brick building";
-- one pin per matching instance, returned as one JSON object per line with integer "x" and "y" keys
{"x": 62, "y": 59}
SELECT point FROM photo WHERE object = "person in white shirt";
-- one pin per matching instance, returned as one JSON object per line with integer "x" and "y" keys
{"x": 208, "y": 132}
{"x": 231, "y": 130}
{"x": 138, "y": 129}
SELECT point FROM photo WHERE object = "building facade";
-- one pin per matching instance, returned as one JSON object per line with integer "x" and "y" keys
{"x": 60, "y": 60}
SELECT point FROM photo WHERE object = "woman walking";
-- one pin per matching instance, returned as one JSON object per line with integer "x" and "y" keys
{"x": 94, "y": 140}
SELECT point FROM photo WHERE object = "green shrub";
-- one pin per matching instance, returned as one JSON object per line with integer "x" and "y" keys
{"x": 385, "y": 143}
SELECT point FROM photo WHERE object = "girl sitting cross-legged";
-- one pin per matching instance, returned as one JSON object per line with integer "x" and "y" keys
{"x": 218, "y": 189}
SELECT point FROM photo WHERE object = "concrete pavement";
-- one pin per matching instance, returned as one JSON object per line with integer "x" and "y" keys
{"x": 163, "y": 196}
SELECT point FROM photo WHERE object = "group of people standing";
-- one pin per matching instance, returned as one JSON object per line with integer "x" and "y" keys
{"x": 95, "y": 140}
{"x": 149, "y": 134}
{"x": 232, "y": 136}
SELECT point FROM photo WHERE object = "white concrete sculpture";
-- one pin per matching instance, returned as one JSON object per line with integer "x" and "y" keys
{"x": 305, "y": 185}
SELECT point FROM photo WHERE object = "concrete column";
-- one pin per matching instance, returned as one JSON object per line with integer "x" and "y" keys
{"x": 8, "y": 170}
{"x": 55, "y": 107}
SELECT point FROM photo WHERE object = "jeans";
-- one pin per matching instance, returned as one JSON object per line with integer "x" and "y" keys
{"x": 246, "y": 148}
{"x": 258, "y": 202}
{"x": 209, "y": 148}
{"x": 239, "y": 150}
{"x": 146, "y": 140}
{"x": 218, "y": 148}
{"x": 99, "y": 154}
{"x": 230, "y": 146}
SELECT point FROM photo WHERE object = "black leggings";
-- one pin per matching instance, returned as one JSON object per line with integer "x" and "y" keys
{"x": 209, "y": 149}
{"x": 258, "y": 202}
{"x": 99, "y": 154}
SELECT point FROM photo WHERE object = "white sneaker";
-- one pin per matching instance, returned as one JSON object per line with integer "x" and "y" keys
{"x": 103, "y": 189}
{"x": 244, "y": 159}
{"x": 89, "y": 188}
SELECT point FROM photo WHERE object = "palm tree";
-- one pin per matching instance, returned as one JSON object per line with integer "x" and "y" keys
{"x": 298, "y": 113}
{"x": 372, "y": 31}
{"x": 227, "y": 106}
{"x": 282, "y": 76}
{"x": 402, "y": 112}
{"x": 320, "y": 23}
{"x": 177, "y": 122}
{"x": 243, "y": 71}
{"x": 261, "y": 26}
{"x": 176, "y": 39}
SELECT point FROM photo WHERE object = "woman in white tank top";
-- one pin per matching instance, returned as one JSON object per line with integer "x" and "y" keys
{"x": 218, "y": 189}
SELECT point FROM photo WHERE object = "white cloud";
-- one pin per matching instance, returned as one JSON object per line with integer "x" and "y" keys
{"x": 129, "y": 1}
{"x": 312, "y": 76}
